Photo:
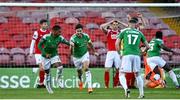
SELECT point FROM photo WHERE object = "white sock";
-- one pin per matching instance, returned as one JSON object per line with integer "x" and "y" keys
{"x": 122, "y": 80}
{"x": 89, "y": 79}
{"x": 173, "y": 77}
{"x": 59, "y": 72}
{"x": 140, "y": 84}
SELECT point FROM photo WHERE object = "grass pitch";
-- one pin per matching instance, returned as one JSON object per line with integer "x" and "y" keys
{"x": 167, "y": 93}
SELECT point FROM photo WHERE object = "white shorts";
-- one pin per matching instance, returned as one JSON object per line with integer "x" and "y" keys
{"x": 38, "y": 58}
{"x": 131, "y": 63}
{"x": 78, "y": 62}
{"x": 48, "y": 62}
{"x": 112, "y": 57}
{"x": 156, "y": 61}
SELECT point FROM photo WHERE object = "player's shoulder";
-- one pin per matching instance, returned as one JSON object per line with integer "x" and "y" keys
{"x": 124, "y": 30}
{"x": 47, "y": 35}
{"x": 86, "y": 35}
{"x": 159, "y": 40}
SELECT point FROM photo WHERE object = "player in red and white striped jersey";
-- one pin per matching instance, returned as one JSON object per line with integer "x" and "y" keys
{"x": 112, "y": 29}
{"x": 34, "y": 49}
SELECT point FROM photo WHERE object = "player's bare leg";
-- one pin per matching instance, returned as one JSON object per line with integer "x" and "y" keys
{"x": 140, "y": 85}
{"x": 41, "y": 77}
{"x": 172, "y": 75}
{"x": 106, "y": 77}
{"x": 59, "y": 72}
{"x": 123, "y": 82}
{"x": 79, "y": 71}
{"x": 48, "y": 81}
{"x": 88, "y": 76}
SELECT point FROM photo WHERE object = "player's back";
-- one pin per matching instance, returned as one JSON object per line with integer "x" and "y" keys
{"x": 131, "y": 40}
{"x": 155, "y": 47}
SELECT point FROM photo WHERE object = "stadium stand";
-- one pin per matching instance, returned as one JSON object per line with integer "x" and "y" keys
{"x": 17, "y": 25}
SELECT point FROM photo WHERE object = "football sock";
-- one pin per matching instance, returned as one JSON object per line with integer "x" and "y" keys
{"x": 140, "y": 85}
{"x": 89, "y": 78}
{"x": 173, "y": 77}
{"x": 41, "y": 77}
{"x": 106, "y": 78}
{"x": 122, "y": 79}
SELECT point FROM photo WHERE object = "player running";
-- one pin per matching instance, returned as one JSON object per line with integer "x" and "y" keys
{"x": 131, "y": 61}
{"x": 48, "y": 46}
{"x": 111, "y": 29}
{"x": 154, "y": 60}
{"x": 34, "y": 49}
{"x": 80, "y": 42}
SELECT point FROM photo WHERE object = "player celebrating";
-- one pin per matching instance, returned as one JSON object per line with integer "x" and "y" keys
{"x": 36, "y": 38}
{"x": 154, "y": 60}
{"x": 131, "y": 61}
{"x": 48, "y": 46}
{"x": 80, "y": 42}
{"x": 111, "y": 29}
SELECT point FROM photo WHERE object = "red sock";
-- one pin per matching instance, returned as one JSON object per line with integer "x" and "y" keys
{"x": 41, "y": 77}
{"x": 116, "y": 78}
{"x": 106, "y": 79}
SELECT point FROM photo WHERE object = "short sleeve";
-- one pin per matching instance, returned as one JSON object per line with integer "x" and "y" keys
{"x": 35, "y": 35}
{"x": 160, "y": 42}
{"x": 72, "y": 39}
{"x": 88, "y": 38}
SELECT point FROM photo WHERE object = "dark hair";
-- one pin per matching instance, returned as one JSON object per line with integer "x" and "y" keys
{"x": 133, "y": 20}
{"x": 42, "y": 21}
{"x": 56, "y": 28}
{"x": 78, "y": 26}
{"x": 159, "y": 34}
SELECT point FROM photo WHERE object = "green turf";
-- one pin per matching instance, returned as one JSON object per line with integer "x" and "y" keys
{"x": 167, "y": 93}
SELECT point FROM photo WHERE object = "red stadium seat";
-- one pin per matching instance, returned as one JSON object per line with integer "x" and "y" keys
{"x": 10, "y": 44}
{"x": 18, "y": 56}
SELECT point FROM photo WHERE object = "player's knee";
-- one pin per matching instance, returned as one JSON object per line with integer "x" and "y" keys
{"x": 156, "y": 70}
{"x": 136, "y": 74}
{"x": 167, "y": 67}
{"x": 79, "y": 71}
{"x": 58, "y": 64}
{"x": 47, "y": 71}
{"x": 106, "y": 69}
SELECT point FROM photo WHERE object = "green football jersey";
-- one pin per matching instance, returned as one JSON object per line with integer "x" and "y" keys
{"x": 80, "y": 44}
{"x": 49, "y": 44}
{"x": 155, "y": 47}
{"x": 131, "y": 40}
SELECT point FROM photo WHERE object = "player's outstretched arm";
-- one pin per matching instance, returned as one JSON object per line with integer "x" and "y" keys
{"x": 64, "y": 41}
{"x": 146, "y": 47}
{"x": 166, "y": 48}
{"x": 71, "y": 47}
{"x": 92, "y": 48}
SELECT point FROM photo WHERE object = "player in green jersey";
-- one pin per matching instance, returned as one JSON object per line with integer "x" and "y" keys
{"x": 80, "y": 42}
{"x": 154, "y": 60}
{"x": 131, "y": 61}
{"x": 48, "y": 46}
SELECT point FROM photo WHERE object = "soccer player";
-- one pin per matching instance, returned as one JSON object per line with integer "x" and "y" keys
{"x": 34, "y": 49}
{"x": 48, "y": 46}
{"x": 154, "y": 60}
{"x": 142, "y": 21}
{"x": 80, "y": 42}
{"x": 111, "y": 29}
{"x": 131, "y": 61}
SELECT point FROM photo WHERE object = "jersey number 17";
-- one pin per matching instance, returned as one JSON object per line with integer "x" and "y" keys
{"x": 132, "y": 39}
